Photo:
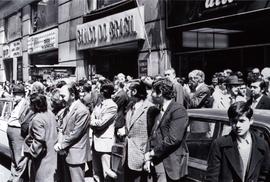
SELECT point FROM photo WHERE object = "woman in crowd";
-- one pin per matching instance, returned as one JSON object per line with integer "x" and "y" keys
{"x": 40, "y": 141}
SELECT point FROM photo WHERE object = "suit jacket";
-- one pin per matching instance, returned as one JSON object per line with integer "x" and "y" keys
{"x": 264, "y": 103}
{"x": 178, "y": 88}
{"x": 104, "y": 114}
{"x": 167, "y": 139}
{"x": 137, "y": 136}
{"x": 199, "y": 98}
{"x": 121, "y": 99}
{"x": 75, "y": 131}
{"x": 41, "y": 139}
{"x": 224, "y": 160}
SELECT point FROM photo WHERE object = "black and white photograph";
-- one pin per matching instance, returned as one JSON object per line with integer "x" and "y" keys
{"x": 134, "y": 90}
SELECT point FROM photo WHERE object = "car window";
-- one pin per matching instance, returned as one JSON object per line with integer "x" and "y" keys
{"x": 200, "y": 136}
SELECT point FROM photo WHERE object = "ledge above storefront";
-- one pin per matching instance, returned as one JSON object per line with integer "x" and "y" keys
{"x": 116, "y": 29}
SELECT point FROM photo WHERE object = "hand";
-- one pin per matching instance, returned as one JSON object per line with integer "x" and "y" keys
{"x": 147, "y": 166}
{"x": 57, "y": 147}
{"x": 148, "y": 155}
{"x": 121, "y": 132}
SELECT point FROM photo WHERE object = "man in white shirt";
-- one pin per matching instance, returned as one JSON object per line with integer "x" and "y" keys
{"x": 241, "y": 155}
{"x": 14, "y": 134}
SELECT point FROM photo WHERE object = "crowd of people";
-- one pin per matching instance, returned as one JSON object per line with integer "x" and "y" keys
{"x": 56, "y": 129}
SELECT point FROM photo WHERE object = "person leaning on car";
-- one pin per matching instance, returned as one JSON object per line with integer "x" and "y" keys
{"x": 241, "y": 155}
{"x": 14, "y": 134}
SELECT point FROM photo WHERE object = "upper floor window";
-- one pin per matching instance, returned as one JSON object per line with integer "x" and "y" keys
{"x": 44, "y": 14}
{"x": 104, "y": 3}
{"x": 13, "y": 26}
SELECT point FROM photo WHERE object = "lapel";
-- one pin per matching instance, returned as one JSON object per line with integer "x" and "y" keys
{"x": 137, "y": 114}
{"x": 66, "y": 119}
{"x": 256, "y": 155}
{"x": 232, "y": 154}
{"x": 166, "y": 112}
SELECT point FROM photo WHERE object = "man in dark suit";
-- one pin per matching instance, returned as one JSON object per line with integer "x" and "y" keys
{"x": 260, "y": 101}
{"x": 121, "y": 99}
{"x": 198, "y": 95}
{"x": 242, "y": 155}
{"x": 178, "y": 88}
{"x": 73, "y": 139}
{"x": 167, "y": 142}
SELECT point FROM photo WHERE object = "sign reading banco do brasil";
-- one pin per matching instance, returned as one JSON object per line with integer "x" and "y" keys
{"x": 118, "y": 28}
{"x": 43, "y": 41}
{"x": 216, "y": 3}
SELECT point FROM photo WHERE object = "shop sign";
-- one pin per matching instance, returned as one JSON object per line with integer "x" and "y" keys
{"x": 142, "y": 64}
{"x": 44, "y": 41}
{"x": 216, "y": 3}
{"x": 6, "y": 53}
{"x": 118, "y": 28}
{"x": 15, "y": 49}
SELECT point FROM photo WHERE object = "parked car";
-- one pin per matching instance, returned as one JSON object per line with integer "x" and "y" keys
{"x": 212, "y": 124}
{"x": 6, "y": 106}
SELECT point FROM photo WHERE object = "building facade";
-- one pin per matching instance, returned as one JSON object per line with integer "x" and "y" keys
{"x": 47, "y": 39}
{"x": 214, "y": 35}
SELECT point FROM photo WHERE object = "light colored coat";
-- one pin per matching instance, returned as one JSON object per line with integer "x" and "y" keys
{"x": 137, "y": 135}
{"x": 100, "y": 117}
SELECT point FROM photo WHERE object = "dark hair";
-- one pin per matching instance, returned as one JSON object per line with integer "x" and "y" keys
{"x": 73, "y": 90}
{"x": 82, "y": 82}
{"x": 87, "y": 87}
{"x": 140, "y": 87}
{"x": 164, "y": 86}
{"x": 38, "y": 103}
{"x": 60, "y": 84}
{"x": 107, "y": 90}
{"x": 239, "y": 109}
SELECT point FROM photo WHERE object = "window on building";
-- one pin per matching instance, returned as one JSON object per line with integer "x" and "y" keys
{"x": 44, "y": 14}
{"x": 90, "y": 5}
{"x": 13, "y": 26}
{"x": 104, "y": 3}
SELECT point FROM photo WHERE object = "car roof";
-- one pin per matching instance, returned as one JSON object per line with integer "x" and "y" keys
{"x": 260, "y": 116}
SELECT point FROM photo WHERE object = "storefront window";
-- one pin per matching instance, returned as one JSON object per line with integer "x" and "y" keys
{"x": 44, "y": 14}
{"x": 13, "y": 26}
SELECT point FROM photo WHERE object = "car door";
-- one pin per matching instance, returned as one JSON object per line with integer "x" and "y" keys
{"x": 5, "y": 111}
{"x": 200, "y": 135}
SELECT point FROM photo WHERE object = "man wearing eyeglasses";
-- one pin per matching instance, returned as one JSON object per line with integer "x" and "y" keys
{"x": 260, "y": 101}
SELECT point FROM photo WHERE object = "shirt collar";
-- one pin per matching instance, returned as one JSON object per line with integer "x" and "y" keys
{"x": 199, "y": 85}
{"x": 247, "y": 139}
{"x": 166, "y": 104}
{"x": 73, "y": 105}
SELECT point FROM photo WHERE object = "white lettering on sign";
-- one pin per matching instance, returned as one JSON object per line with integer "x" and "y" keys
{"x": 117, "y": 28}
{"x": 216, "y": 3}
{"x": 43, "y": 42}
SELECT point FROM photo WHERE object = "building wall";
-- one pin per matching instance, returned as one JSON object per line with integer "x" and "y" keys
{"x": 70, "y": 14}
{"x": 159, "y": 58}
